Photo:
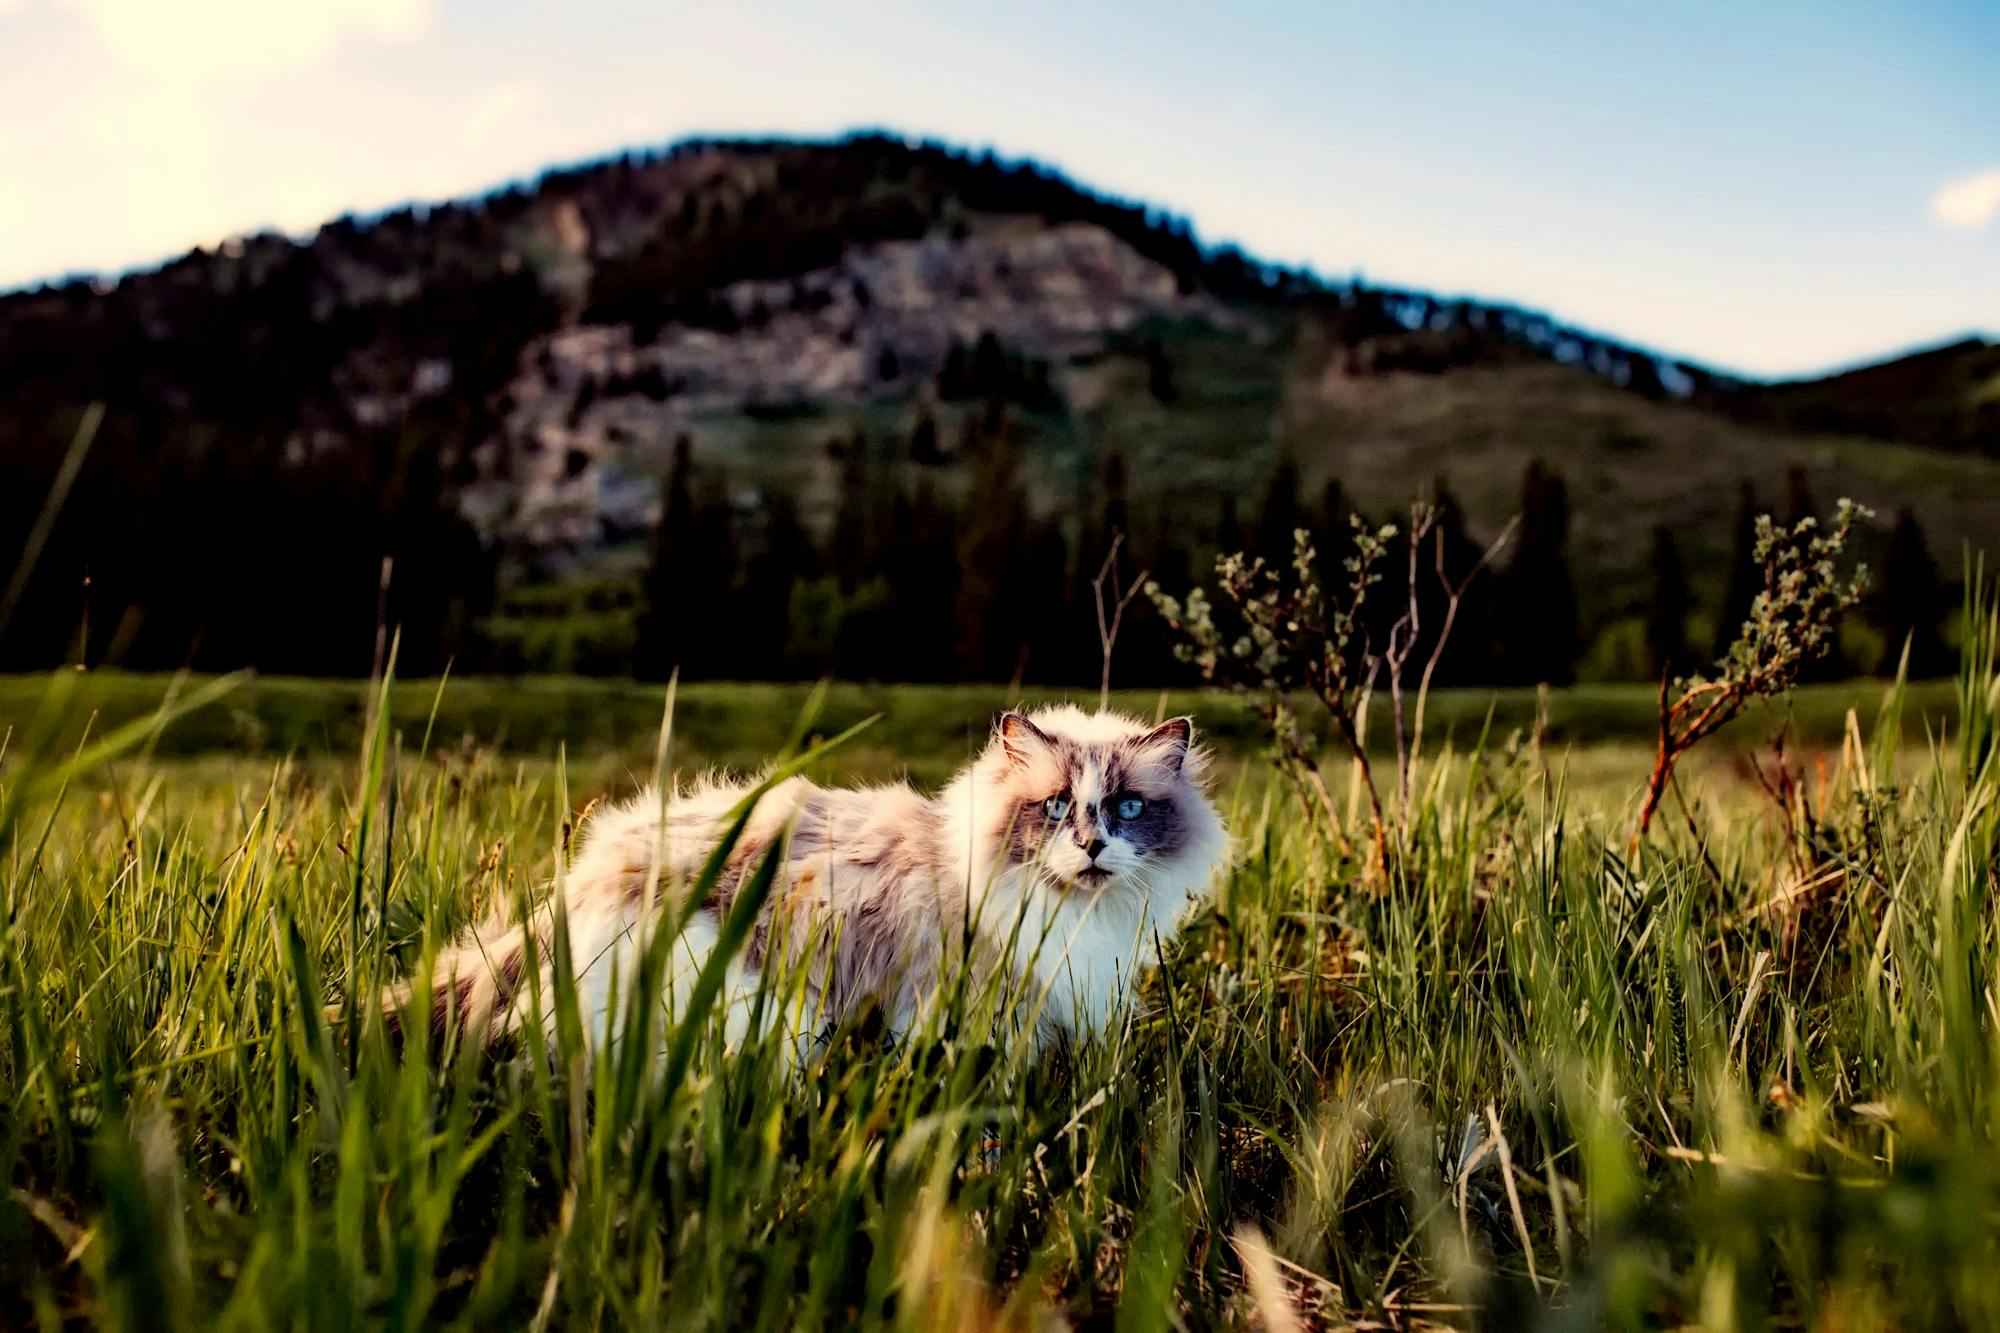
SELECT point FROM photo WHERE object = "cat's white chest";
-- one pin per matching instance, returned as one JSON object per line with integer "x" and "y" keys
{"x": 1085, "y": 953}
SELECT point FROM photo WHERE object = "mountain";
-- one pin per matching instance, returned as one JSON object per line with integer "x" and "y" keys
{"x": 490, "y": 392}
{"x": 1946, "y": 397}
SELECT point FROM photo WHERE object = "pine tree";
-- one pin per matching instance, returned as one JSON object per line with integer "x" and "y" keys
{"x": 853, "y": 536}
{"x": 783, "y": 560}
{"x": 663, "y": 625}
{"x": 1333, "y": 532}
{"x": 954, "y": 379}
{"x": 991, "y": 372}
{"x": 1666, "y": 607}
{"x": 994, "y": 533}
{"x": 1910, "y": 602}
{"x": 1107, "y": 517}
{"x": 920, "y": 566}
{"x": 1278, "y": 513}
{"x": 1449, "y": 558}
{"x": 1798, "y": 496}
{"x": 1541, "y": 629}
{"x": 924, "y": 445}
{"x": 710, "y": 643}
{"x": 866, "y": 641}
{"x": 1643, "y": 376}
{"x": 1045, "y": 583}
{"x": 1228, "y": 528}
{"x": 1745, "y": 579}
{"x": 1113, "y": 513}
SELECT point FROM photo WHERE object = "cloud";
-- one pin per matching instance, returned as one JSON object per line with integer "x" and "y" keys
{"x": 1968, "y": 204}
{"x": 194, "y": 41}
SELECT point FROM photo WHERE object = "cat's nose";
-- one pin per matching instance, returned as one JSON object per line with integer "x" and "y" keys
{"x": 1096, "y": 846}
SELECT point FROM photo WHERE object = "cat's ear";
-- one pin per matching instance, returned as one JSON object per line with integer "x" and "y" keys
{"x": 1168, "y": 744}
{"x": 1020, "y": 738}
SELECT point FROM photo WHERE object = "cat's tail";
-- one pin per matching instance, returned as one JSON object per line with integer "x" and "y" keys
{"x": 631, "y": 859}
{"x": 486, "y": 983}
{"x": 478, "y": 988}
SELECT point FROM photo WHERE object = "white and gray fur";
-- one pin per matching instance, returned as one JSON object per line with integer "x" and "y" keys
{"x": 877, "y": 887}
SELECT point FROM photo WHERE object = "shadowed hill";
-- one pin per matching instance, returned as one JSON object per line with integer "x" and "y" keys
{"x": 1947, "y": 397}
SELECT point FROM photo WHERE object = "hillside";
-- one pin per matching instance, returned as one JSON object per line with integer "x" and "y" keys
{"x": 491, "y": 390}
{"x": 1631, "y": 462}
{"x": 1947, "y": 397}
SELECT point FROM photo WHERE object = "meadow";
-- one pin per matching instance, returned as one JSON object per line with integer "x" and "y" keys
{"x": 1540, "y": 1073}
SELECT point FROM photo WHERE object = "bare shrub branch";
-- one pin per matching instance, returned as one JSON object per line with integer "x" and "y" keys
{"x": 1108, "y": 625}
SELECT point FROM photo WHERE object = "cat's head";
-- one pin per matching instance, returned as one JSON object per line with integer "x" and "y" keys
{"x": 1098, "y": 800}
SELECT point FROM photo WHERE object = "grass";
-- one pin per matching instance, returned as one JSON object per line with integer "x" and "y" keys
{"x": 1742, "y": 1073}
{"x": 929, "y": 729}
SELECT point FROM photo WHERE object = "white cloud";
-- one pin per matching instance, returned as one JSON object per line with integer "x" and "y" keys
{"x": 1968, "y": 204}
{"x": 193, "y": 41}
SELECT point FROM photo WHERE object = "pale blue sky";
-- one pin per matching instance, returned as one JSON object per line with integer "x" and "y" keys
{"x": 1770, "y": 187}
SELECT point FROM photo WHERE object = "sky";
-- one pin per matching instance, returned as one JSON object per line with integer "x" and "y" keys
{"x": 1767, "y": 187}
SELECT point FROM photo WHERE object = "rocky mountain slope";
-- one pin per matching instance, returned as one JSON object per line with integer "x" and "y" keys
{"x": 529, "y": 360}
{"x": 590, "y": 400}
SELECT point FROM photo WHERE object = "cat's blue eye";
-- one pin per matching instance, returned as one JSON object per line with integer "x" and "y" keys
{"x": 1056, "y": 806}
{"x": 1130, "y": 807}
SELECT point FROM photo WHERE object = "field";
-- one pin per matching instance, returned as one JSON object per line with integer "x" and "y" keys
{"x": 1741, "y": 1072}
{"x": 928, "y": 730}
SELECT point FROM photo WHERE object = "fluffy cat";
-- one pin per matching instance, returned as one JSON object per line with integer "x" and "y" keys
{"x": 1059, "y": 855}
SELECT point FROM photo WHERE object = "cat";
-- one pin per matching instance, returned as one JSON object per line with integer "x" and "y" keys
{"x": 1054, "y": 862}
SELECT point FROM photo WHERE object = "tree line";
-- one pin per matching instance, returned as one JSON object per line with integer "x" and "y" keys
{"x": 223, "y": 559}
{"x": 911, "y": 585}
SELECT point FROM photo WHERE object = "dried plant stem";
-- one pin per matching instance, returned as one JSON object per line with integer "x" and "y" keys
{"x": 1454, "y": 597}
{"x": 1402, "y": 641}
{"x": 1109, "y": 624}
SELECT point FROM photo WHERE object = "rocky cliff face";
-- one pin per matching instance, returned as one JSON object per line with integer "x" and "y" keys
{"x": 564, "y": 472}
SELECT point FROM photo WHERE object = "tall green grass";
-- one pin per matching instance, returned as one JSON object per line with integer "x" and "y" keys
{"x": 929, "y": 729}
{"x": 1745, "y": 1075}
